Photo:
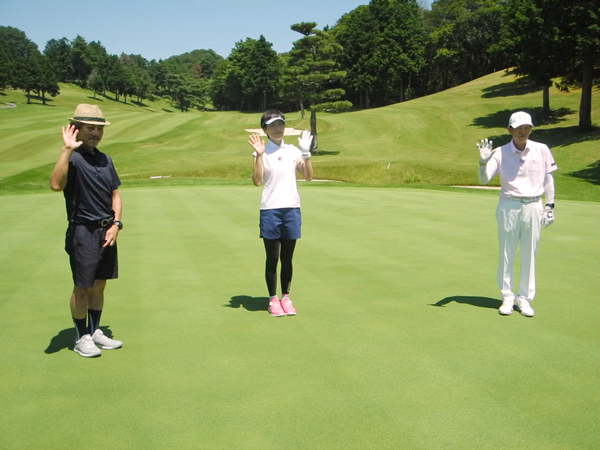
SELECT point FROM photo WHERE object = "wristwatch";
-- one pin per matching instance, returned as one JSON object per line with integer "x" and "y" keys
{"x": 118, "y": 223}
{"x": 551, "y": 205}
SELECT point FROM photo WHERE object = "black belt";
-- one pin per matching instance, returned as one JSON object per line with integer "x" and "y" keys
{"x": 102, "y": 223}
{"x": 105, "y": 222}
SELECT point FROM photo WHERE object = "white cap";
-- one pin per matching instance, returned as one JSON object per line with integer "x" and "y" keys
{"x": 519, "y": 118}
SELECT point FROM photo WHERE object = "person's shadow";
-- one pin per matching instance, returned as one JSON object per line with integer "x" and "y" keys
{"x": 480, "y": 302}
{"x": 249, "y": 303}
{"x": 66, "y": 339}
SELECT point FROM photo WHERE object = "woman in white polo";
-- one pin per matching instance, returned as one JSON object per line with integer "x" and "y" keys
{"x": 275, "y": 166}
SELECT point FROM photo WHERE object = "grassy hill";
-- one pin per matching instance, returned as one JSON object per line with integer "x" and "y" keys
{"x": 426, "y": 142}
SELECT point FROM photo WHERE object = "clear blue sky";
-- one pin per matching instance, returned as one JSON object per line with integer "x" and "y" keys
{"x": 160, "y": 29}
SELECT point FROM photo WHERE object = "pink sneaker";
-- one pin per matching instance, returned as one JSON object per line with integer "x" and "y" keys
{"x": 286, "y": 305}
{"x": 275, "y": 307}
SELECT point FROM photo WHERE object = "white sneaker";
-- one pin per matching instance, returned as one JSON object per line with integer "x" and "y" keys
{"x": 507, "y": 307}
{"x": 524, "y": 307}
{"x": 85, "y": 347}
{"x": 104, "y": 342}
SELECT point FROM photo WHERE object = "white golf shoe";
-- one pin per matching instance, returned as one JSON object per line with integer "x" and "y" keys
{"x": 525, "y": 307}
{"x": 507, "y": 307}
{"x": 86, "y": 347}
{"x": 104, "y": 342}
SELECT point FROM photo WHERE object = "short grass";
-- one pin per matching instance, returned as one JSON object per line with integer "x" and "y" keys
{"x": 426, "y": 142}
{"x": 397, "y": 342}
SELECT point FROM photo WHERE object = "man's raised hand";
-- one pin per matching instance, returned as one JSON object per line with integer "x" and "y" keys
{"x": 485, "y": 151}
{"x": 70, "y": 137}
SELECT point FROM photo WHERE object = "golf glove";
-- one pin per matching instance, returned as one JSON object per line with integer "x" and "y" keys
{"x": 547, "y": 216}
{"x": 485, "y": 151}
{"x": 304, "y": 142}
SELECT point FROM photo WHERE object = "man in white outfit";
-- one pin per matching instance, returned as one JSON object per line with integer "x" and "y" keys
{"x": 525, "y": 168}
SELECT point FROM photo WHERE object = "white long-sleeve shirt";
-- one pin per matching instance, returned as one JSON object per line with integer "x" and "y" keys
{"x": 524, "y": 173}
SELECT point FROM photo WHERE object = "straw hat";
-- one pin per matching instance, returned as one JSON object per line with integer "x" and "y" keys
{"x": 88, "y": 114}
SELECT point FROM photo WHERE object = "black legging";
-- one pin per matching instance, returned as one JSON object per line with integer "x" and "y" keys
{"x": 277, "y": 249}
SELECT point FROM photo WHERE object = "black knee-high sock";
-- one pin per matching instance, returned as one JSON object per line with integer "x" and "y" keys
{"x": 287, "y": 252}
{"x": 272, "y": 247}
{"x": 94, "y": 319}
{"x": 80, "y": 327}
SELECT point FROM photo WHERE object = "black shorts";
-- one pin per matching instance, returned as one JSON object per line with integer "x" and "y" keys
{"x": 89, "y": 260}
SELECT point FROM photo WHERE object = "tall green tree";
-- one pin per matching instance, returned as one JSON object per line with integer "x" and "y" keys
{"x": 46, "y": 80}
{"x": 226, "y": 91}
{"x": 187, "y": 91}
{"x": 140, "y": 83}
{"x": 24, "y": 67}
{"x": 257, "y": 66}
{"x": 16, "y": 51}
{"x": 96, "y": 55}
{"x": 114, "y": 76}
{"x": 4, "y": 65}
{"x": 102, "y": 72}
{"x": 313, "y": 74}
{"x": 527, "y": 38}
{"x": 35, "y": 74}
{"x": 399, "y": 45}
{"x": 578, "y": 25}
{"x": 82, "y": 64}
{"x": 383, "y": 49}
{"x": 28, "y": 72}
{"x": 58, "y": 52}
{"x": 96, "y": 83}
{"x": 460, "y": 37}
{"x": 548, "y": 39}
{"x": 355, "y": 32}
{"x": 158, "y": 74}
{"x": 143, "y": 84}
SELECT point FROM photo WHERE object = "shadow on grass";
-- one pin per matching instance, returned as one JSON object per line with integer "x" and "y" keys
{"x": 520, "y": 86}
{"x": 499, "y": 119}
{"x": 564, "y": 136}
{"x": 480, "y": 302}
{"x": 66, "y": 339}
{"x": 100, "y": 97}
{"x": 325, "y": 152}
{"x": 249, "y": 303}
{"x": 591, "y": 174}
{"x": 38, "y": 99}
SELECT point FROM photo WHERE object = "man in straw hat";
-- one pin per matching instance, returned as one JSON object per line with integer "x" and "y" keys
{"x": 90, "y": 185}
{"x": 525, "y": 168}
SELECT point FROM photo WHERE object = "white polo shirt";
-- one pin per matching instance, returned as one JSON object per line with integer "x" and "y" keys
{"x": 522, "y": 173}
{"x": 280, "y": 164}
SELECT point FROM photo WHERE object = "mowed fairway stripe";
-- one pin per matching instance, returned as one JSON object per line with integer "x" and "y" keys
{"x": 397, "y": 342}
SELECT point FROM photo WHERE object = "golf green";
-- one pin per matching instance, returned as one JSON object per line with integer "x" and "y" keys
{"x": 397, "y": 342}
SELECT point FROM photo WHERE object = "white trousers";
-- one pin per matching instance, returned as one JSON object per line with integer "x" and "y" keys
{"x": 519, "y": 225}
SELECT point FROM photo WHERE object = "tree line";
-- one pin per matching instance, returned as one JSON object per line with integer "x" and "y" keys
{"x": 385, "y": 52}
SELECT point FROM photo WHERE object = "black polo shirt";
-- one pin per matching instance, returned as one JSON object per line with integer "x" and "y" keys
{"x": 91, "y": 181}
